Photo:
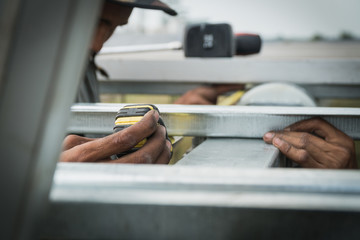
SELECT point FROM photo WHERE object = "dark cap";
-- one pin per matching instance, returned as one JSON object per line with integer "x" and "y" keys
{"x": 149, "y": 4}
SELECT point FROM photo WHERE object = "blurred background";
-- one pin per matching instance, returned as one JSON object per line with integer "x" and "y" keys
{"x": 275, "y": 20}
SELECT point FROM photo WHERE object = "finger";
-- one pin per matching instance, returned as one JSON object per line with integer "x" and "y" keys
{"x": 299, "y": 156}
{"x": 318, "y": 126}
{"x": 165, "y": 156}
{"x": 150, "y": 152}
{"x": 308, "y": 150}
{"x": 314, "y": 146}
{"x": 71, "y": 141}
{"x": 268, "y": 137}
{"x": 115, "y": 143}
{"x": 303, "y": 140}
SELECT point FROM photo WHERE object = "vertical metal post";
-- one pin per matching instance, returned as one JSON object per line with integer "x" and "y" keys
{"x": 47, "y": 45}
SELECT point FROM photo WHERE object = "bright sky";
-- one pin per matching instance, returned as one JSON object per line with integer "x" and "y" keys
{"x": 269, "y": 18}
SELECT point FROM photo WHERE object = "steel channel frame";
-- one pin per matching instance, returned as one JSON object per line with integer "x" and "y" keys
{"x": 329, "y": 78}
{"x": 173, "y": 202}
{"x": 217, "y": 121}
{"x": 235, "y": 70}
{"x": 233, "y": 153}
{"x": 79, "y": 182}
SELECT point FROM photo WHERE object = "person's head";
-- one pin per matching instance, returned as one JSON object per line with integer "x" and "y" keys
{"x": 116, "y": 13}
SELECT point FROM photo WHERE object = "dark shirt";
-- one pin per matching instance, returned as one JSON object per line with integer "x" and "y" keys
{"x": 88, "y": 91}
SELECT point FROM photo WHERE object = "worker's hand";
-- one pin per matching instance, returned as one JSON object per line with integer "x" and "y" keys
{"x": 157, "y": 148}
{"x": 315, "y": 143}
{"x": 207, "y": 95}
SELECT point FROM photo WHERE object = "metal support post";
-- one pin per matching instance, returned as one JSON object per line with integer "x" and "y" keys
{"x": 46, "y": 49}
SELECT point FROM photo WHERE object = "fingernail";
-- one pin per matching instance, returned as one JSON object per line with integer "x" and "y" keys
{"x": 277, "y": 141}
{"x": 269, "y": 135}
{"x": 155, "y": 113}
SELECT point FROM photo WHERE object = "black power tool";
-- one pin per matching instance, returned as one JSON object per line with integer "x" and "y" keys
{"x": 218, "y": 40}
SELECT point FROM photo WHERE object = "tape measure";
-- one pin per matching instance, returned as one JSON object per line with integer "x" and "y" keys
{"x": 131, "y": 114}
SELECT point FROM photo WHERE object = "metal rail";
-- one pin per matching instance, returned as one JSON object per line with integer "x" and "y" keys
{"x": 233, "y": 153}
{"x": 325, "y": 70}
{"x": 217, "y": 121}
{"x": 99, "y": 201}
{"x": 81, "y": 182}
{"x": 235, "y": 70}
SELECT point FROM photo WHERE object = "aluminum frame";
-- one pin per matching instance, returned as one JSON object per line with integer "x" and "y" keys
{"x": 217, "y": 121}
{"x": 100, "y": 201}
{"x": 235, "y": 70}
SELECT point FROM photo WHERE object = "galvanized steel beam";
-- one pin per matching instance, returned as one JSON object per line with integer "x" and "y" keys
{"x": 234, "y": 70}
{"x": 100, "y": 201}
{"x": 143, "y": 184}
{"x": 233, "y": 153}
{"x": 217, "y": 121}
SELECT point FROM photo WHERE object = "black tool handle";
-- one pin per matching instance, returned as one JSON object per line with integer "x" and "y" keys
{"x": 246, "y": 43}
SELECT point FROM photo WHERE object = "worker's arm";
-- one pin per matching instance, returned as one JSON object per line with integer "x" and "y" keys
{"x": 315, "y": 143}
{"x": 156, "y": 149}
{"x": 207, "y": 95}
